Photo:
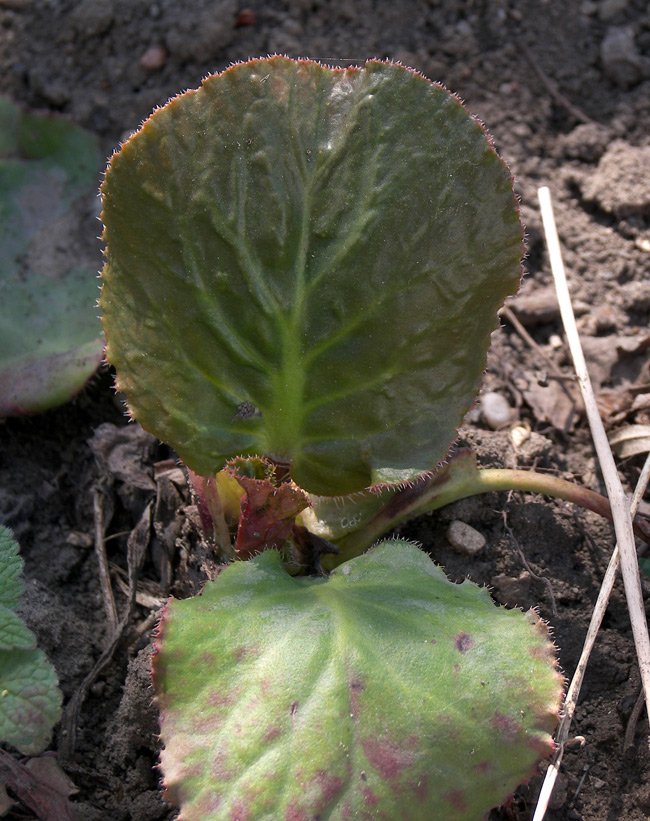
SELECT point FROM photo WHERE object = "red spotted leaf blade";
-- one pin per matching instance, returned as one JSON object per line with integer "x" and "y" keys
{"x": 383, "y": 689}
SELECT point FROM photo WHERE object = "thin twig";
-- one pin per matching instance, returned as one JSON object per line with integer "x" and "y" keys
{"x": 630, "y": 730}
{"x": 148, "y": 624}
{"x": 542, "y": 579}
{"x": 138, "y": 540}
{"x": 574, "y": 797}
{"x": 610, "y": 576}
{"x": 553, "y": 90}
{"x": 510, "y": 315}
{"x": 617, "y": 498}
{"x": 102, "y": 559}
{"x": 142, "y": 597}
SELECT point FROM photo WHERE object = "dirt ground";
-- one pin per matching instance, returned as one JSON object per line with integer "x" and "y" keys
{"x": 564, "y": 88}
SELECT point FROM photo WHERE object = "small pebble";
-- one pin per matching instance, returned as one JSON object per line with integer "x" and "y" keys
{"x": 621, "y": 59}
{"x": 496, "y": 410}
{"x": 98, "y": 688}
{"x": 512, "y": 592}
{"x": 536, "y": 306}
{"x": 610, "y": 8}
{"x": 78, "y": 539}
{"x": 464, "y": 539}
{"x": 154, "y": 58}
{"x": 246, "y": 17}
{"x": 519, "y": 434}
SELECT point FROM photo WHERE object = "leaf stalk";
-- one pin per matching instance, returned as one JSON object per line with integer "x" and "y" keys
{"x": 458, "y": 480}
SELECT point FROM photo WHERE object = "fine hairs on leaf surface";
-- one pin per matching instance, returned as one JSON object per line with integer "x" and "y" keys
{"x": 324, "y": 250}
{"x": 30, "y": 700}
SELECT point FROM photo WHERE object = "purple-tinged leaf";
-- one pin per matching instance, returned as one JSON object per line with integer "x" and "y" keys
{"x": 50, "y": 336}
{"x": 382, "y": 691}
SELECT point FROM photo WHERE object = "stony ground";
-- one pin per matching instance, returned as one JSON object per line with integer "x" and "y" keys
{"x": 565, "y": 91}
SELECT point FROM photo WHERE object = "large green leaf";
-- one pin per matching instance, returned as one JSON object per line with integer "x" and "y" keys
{"x": 50, "y": 337}
{"x": 306, "y": 263}
{"x": 383, "y": 691}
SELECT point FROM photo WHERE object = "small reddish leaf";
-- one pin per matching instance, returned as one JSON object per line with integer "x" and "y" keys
{"x": 268, "y": 515}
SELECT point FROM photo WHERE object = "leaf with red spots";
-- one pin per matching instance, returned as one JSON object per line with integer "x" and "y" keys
{"x": 383, "y": 690}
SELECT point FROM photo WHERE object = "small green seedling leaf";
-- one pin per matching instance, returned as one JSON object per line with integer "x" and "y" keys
{"x": 381, "y": 691}
{"x": 50, "y": 336}
{"x": 11, "y": 566}
{"x": 306, "y": 263}
{"x": 30, "y": 700}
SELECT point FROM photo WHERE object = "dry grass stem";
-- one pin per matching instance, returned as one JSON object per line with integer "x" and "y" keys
{"x": 102, "y": 560}
{"x": 573, "y": 692}
{"x": 625, "y": 551}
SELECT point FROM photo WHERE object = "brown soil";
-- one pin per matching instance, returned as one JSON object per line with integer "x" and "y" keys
{"x": 565, "y": 90}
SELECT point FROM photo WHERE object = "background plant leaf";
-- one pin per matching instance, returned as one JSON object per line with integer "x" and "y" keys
{"x": 14, "y": 634}
{"x": 30, "y": 700}
{"x": 11, "y": 566}
{"x": 306, "y": 263}
{"x": 383, "y": 687}
{"x": 50, "y": 337}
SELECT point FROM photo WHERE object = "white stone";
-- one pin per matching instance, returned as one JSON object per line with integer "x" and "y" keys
{"x": 496, "y": 410}
{"x": 464, "y": 538}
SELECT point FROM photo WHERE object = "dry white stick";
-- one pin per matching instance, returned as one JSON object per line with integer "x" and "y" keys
{"x": 576, "y": 682}
{"x": 618, "y": 500}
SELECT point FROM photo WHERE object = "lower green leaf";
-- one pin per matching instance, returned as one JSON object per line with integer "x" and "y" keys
{"x": 30, "y": 701}
{"x": 382, "y": 691}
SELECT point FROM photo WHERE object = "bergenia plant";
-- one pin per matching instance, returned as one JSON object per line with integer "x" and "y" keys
{"x": 303, "y": 269}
